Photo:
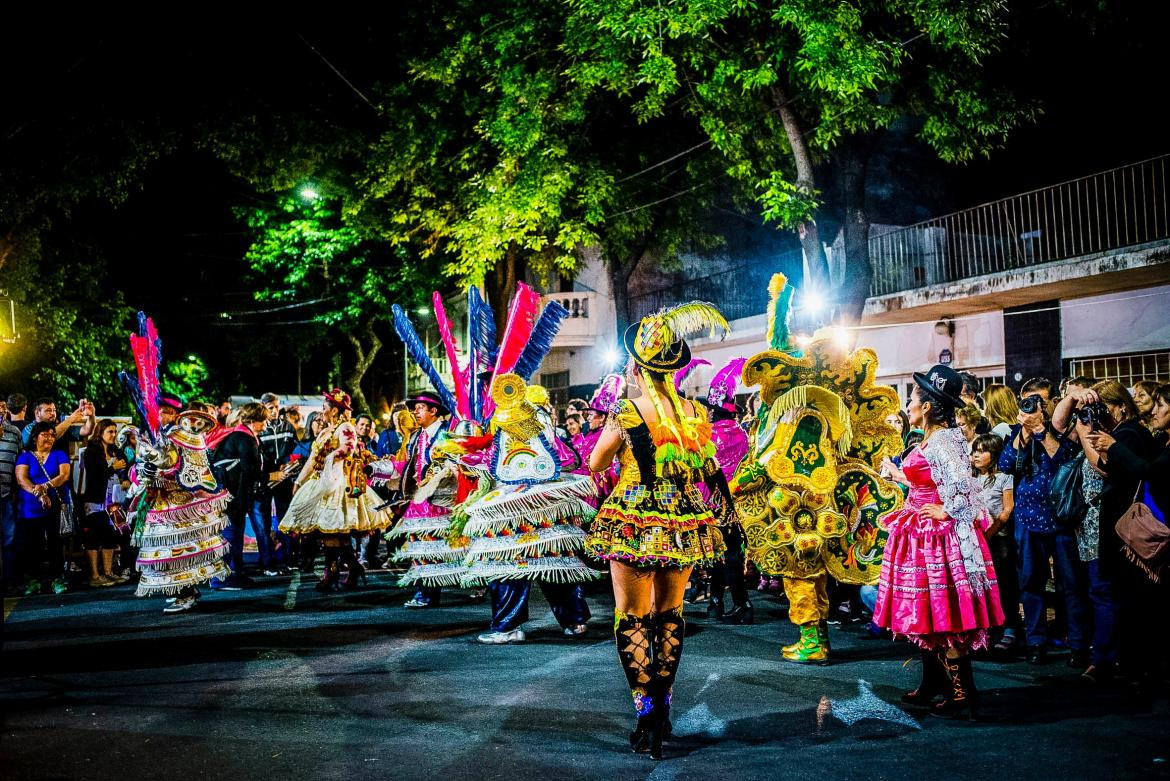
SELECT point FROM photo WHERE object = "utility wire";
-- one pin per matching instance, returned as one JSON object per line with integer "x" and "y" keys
{"x": 340, "y": 75}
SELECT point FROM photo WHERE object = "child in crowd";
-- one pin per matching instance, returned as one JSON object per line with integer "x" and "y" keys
{"x": 997, "y": 492}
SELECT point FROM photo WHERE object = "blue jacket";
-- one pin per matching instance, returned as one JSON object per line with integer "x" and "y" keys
{"x": 1033, "y": 470}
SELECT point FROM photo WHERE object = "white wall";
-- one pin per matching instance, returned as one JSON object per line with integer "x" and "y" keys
{"x": 1110, "y": 325}
{"x": 912, "y": 347}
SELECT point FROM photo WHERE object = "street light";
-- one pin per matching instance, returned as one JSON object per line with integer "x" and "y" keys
{"x": 309, "y": 194}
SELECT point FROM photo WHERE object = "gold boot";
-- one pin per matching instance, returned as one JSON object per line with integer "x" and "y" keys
{"x": 809, "y": 650}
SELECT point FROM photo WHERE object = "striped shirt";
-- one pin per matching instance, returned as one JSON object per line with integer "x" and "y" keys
{"x": 10, "y": 447}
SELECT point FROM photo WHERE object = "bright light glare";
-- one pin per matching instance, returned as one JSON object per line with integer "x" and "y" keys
{"x": 842, "y": 338}
{"x": 611, "y": 357}
{"x": 803, "y": 340}
{"x": 192, "y": 358}
{"x": 309, "y": 194}
{"x": 814, "y": 301}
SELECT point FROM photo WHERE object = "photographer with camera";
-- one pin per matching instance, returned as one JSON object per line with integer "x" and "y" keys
{"x": 1106, "y": 407}
{"x": 1031, "y": 454}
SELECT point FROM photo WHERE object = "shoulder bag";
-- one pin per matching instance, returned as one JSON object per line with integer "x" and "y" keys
{"x": 68, "y": 522}
{"x": 1145, "y": 539}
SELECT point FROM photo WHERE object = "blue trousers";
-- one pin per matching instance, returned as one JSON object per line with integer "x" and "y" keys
{"x": 260, "y": 521}
{"x": 1035, "y": 549}
{"x": 9, "y": 539}
{"x": 1103, "y": 595}
{"x": 510, "y": 603}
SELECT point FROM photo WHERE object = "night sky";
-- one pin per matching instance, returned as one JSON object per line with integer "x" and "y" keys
{"x": 1101, "y": 94}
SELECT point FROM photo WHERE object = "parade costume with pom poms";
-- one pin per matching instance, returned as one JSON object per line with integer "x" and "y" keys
{"x": 657, "y": 519}
{"x": 809, "y": 495}
{"x": 656, "y": 514}
{"x": 178, "y": 505}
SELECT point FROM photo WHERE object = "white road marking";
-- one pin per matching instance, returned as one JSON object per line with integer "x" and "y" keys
{"x": 290, "y": 596}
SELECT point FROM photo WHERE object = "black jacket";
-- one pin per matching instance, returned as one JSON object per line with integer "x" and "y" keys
{"x": 1153, "y": 467}
{"x": 236, "y": 464}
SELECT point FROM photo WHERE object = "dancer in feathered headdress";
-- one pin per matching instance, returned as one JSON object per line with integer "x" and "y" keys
{"x": 604, "y": 398}
{"x": 526, "y": 521}
{"x": 177, "y": 503}
{"x": 656, "y": 521}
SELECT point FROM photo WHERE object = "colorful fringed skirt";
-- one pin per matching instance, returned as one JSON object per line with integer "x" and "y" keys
{"x": 180, "y": 541}
{"x": 529, "y": 532}
{"x": 668, "y": 524}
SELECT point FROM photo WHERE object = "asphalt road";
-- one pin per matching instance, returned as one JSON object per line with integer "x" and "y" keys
{"x": 281, "y": 682}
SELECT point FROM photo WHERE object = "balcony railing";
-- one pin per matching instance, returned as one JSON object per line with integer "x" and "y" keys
{"x": 582, "y": 327}
{"x": 1124, "y": 207}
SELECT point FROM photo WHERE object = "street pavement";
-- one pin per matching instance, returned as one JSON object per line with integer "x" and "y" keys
{"x": 280, "y": 682}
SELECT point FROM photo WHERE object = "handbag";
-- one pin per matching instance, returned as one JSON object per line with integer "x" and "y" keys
{"x": 1145, "y": 539}
{"x": 67, "y": 520}
{"x": 1066, "y": 495}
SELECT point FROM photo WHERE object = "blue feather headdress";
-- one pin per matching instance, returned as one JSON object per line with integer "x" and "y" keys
{"x": 540, "y": 342}
{"x": 414, "y": 347}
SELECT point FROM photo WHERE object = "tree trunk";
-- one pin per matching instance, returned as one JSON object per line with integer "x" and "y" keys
{"x": 619, "y": 273}
{"x": 810, "y": 238}
{"x": 853, "y": 161}
{"x": 500, "y": 284}
{"x": 365, "y": 353}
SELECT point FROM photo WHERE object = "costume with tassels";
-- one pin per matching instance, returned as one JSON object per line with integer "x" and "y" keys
{"x": 178, "y": 504}
{"x": 809, "y": 495}
{"x": 656, "y": 515}
{"x": 523, "y": 523}
{"x": 332, "y": 495}
{"x": 436, "y": 557}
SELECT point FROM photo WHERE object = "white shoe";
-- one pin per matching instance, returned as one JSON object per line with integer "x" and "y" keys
{"x": 578, "y": 630}
{"x": 502, "y": 638}
{"x": 180, "y": 605}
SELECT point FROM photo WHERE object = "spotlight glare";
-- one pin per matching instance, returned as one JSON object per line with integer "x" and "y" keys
{"x": 611, "y": 357}
{"x": 814, "y": 302}
{"x": 309, "y": 194}
{"x": 842, "y": 338}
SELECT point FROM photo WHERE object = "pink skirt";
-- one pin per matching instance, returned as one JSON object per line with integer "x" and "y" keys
{"x": 924, "y": 594}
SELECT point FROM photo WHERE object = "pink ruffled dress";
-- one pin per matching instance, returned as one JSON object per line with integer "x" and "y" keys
{"x": 938, "y": 586}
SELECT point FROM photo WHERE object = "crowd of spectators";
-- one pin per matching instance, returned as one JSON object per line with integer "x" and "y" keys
{"x": 65, "y": 480}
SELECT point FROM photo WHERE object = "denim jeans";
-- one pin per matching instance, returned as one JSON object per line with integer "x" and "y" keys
{"x": 1103, "y": 595}
{"x": 9, "y": 539}
{"x": 1035, "y": 549}
{"x": 260, "y": 521}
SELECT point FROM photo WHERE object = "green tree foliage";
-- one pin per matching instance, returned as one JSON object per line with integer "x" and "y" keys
{"x": 305, "y": 250}
{"x": 188, "y": 378}
{"x": 779, "y": 88}
{"x": 72, "y": 324}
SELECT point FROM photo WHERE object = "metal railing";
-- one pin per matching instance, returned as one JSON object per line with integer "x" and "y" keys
{"x": 739, "y": 290}
{"x": 1124, "y": 207}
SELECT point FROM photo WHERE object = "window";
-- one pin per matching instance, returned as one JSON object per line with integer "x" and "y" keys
{"x": 557, "y": 385}
{"x": 1127, "y": 369}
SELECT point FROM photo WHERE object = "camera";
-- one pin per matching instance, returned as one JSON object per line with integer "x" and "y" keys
{"x": 1093, "y": 414}
{"x": 1030, "y": 405}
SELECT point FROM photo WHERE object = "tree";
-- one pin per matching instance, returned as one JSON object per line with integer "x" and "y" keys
{"x": 497, "y": 162}
{"x": 305, "y": 250}
{"x": 782, "y": 88}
